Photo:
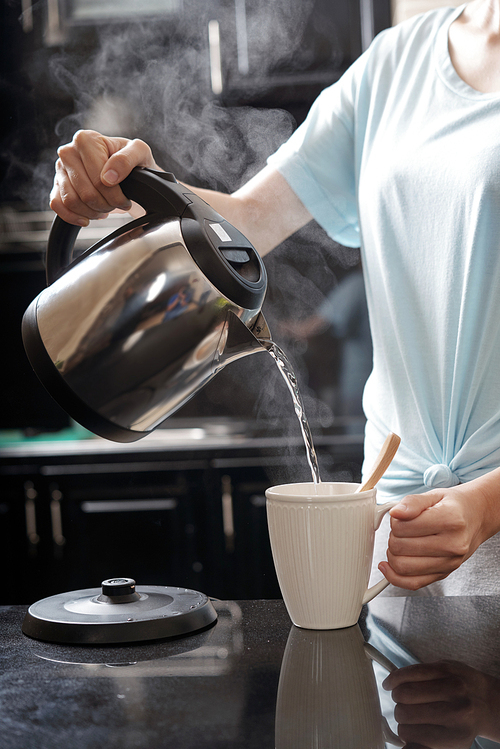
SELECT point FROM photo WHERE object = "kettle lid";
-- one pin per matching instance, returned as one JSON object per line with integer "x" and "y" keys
{"x": 117, "y": 612}
{"x": 225, "y": 256}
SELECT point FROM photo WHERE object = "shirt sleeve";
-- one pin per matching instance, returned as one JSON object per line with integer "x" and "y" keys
{"x": 318, "y": 160}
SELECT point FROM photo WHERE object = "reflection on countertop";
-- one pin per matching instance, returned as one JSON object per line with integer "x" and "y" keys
{"x": 254, "y": 680}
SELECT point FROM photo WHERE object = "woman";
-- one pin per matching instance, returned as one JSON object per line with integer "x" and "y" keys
{"x": 402, "y": 157}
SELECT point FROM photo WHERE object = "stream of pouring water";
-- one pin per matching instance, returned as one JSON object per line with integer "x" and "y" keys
{"x": 288, "y": 374}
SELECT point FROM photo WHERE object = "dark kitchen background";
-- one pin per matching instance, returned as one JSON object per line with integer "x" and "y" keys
{"x": 214, "y": 86}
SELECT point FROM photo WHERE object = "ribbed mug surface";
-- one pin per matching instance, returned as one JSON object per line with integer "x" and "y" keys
{"x": 322, "y": 544}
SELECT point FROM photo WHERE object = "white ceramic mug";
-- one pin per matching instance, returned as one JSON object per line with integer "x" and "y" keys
{"x": 322, "y": 538}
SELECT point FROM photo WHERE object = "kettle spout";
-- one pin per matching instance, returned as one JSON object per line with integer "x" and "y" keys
{"x": 237, "y": 340}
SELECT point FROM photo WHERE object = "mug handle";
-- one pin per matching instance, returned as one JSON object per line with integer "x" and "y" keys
{"x": 374, "y": 655}
{"x": 380, "y": 511}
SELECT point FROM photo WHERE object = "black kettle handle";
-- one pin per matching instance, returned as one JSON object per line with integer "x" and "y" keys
{"x": 156, "y": 192}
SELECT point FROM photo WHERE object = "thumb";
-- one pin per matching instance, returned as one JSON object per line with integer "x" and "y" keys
{"x": 413, "y": 505}
{"x": 125, "y": 155}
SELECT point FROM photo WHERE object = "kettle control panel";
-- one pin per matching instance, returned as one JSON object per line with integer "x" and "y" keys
{"x": 221, "y": 232}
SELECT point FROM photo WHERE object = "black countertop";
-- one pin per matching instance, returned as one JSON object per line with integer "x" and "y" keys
{"x": 253, "y": 680}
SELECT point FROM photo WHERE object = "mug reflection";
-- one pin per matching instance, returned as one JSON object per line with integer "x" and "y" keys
{"x": 327, "y": 692}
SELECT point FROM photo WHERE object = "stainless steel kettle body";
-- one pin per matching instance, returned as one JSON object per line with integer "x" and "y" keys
{"x": 130, "y": 330}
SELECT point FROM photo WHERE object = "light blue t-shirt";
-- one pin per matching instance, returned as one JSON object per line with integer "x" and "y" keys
{"x": 402, "y": 158}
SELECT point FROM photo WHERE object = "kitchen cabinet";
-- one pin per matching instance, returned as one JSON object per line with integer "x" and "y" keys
{"x": 83, "y": 524}
{"x": 164, "y": 511}
{"x": 240, "y": 550}
{"x": 131, "y": 525}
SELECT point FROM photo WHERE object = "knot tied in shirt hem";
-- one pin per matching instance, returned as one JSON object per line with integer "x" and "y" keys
{"x": 440, "y": 476}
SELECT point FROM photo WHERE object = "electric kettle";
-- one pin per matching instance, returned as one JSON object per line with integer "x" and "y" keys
{"x": 127, "y": 332}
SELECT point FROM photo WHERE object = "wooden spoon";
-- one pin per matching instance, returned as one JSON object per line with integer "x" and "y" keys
{"x": 385, "y": 456}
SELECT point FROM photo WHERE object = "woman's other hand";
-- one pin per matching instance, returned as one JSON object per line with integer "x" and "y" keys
{"x": 88, "y": 173}
{"x": 432, "y": 534}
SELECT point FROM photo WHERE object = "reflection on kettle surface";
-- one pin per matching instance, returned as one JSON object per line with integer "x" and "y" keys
{"x": 137, "y": 337}
{"x": 134, "y": 327}
{"x": 327, "y": 693}
{"x": 446, "y": 704}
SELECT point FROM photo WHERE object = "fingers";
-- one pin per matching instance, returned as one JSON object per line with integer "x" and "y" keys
{"x": 66, "y": 201}
{"x": 436, "y": 704}
{"x": 423, "y": 565}
{"x": 413, "y": 573}
{"x": 411, "y": 581}
{"x": 435, "y": 736}
{"x": 430, "y": 682}
{"x": 123, "y": 158}
{"x": 88, "y": 173}
{"x": 436, "y": 545}
{"x": 423, "y": 672}
{"x": 445, "y": 713}
{"x": 416, "y": 570}
{"x": 432, "y": 542}
{"x": 78, "y": 188}
{"x": 435, "y": 516}
{"x": 413, "y": 505}
{"x": 84, "y": 160}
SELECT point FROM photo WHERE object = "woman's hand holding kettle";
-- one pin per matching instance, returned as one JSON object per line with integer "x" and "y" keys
{"x": 88, "y": 172}
{"x": 91, "y": 167}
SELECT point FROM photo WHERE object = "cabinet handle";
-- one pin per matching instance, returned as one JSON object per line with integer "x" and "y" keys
{"x": 56, "y": 517}
{"x": 242, "y": 36}
{"x": 367, "y": 23}
{"x": 128, "y": 505}
{"x": 227, "y": 513}
{"x": 54, "y": 33}
{"x": 215, "y": 57}
{"x": 30, "y": 494}
{"x": 27, "y": 16}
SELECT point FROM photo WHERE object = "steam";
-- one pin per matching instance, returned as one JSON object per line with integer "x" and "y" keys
{"x": 143, "y": 83}
{"x": 151, "y": 80}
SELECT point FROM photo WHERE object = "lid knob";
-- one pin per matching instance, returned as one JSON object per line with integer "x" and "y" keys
{"x": 118, "y": 586}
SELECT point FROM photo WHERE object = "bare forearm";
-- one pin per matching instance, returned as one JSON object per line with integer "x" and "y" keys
{"x": 265, "y": 209}
{"x": 90, "y": 168}
{"x": 485, "y": 491}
